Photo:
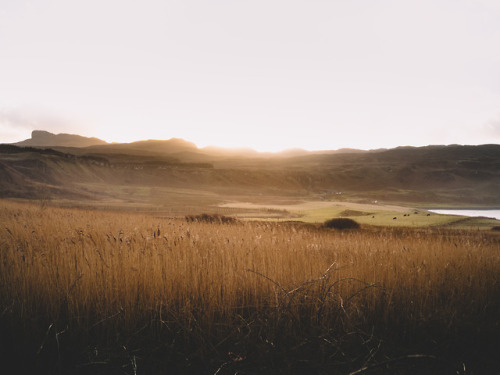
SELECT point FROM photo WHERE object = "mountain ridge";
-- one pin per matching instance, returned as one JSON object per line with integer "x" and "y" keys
{"x": 42, "y": 138}
{"x": 66, "y": 141}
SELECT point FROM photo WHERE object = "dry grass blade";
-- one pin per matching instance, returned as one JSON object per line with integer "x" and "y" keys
{"x": 206, "y": 288}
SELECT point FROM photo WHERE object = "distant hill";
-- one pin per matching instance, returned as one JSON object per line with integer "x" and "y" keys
{"x": 448, "y": 175}
{"x": 41, "y": 138}
{"x": 174, "y": 147}
{"x": 169, "y": 146}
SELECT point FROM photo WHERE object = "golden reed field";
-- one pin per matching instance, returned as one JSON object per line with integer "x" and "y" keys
{"x": 93, "y": 292}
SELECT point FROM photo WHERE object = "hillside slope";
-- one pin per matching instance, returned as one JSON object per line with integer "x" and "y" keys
{"x": 449, "y": 175}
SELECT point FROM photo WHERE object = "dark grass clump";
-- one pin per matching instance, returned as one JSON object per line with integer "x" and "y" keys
{"x": 212, "y": 219}
{"x": 341, "y": 223}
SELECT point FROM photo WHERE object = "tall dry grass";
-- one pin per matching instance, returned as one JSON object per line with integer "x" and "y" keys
{"x": 92, "y": 272}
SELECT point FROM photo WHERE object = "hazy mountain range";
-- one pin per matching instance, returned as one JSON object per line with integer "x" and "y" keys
{"x": 41, "y": 138}
{"x": 75, "y": 167}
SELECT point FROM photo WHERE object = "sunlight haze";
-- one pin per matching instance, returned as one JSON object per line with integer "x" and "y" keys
{"x": 269, "y": 75}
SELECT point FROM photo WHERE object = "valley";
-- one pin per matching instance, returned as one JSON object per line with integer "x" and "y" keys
{"x": 174, "y": 178}
{"x": 157, "y": 256}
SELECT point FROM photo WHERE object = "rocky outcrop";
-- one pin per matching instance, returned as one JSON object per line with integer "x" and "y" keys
{"x": 41, "y": 138}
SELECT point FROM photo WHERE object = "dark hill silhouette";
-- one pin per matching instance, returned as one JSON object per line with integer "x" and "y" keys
{"x": 170, "y": 146}
{"x": 174, "y": 147}
{"x": 40, "y": 138}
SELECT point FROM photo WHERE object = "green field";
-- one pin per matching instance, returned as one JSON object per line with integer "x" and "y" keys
{"x": 366, "y": 214}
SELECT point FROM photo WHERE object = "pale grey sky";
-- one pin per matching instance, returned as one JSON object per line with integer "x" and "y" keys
{"x": 270, "y": 74}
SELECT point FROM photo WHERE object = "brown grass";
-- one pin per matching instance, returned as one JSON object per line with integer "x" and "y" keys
{"x": 237, "y": 295}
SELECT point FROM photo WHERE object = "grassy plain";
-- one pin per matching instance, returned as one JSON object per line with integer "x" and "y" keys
{"x": 87, "y": 292}
{"x": 168, "y": 201}
{"x": 364, "y": 213}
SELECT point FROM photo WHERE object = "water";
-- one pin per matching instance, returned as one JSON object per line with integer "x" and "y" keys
{"x": 486, "y": 213}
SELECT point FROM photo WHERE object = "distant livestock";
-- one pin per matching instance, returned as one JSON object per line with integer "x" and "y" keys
{"x": 394, "y": 218}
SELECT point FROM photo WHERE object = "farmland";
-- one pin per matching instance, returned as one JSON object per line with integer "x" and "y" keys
{"x": 87, "y": 291}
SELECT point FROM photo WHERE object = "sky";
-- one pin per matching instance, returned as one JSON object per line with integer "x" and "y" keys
{"x": 265, "y": 74}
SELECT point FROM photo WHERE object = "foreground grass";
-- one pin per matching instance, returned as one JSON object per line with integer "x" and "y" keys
{"x": 96, "y": 292}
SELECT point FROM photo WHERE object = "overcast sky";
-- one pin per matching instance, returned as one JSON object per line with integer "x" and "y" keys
{"x": 267, "y": 74}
